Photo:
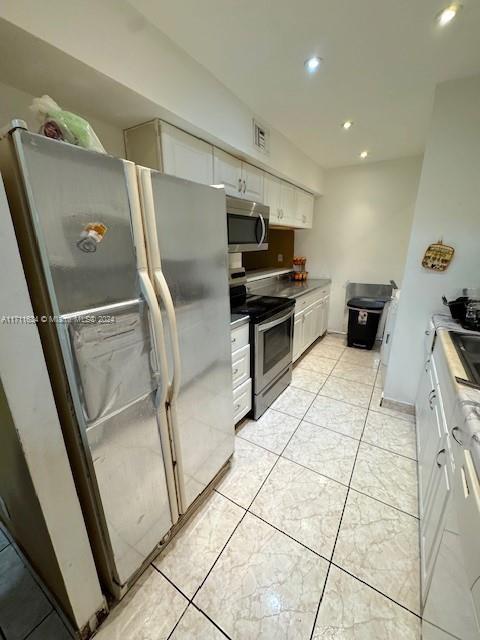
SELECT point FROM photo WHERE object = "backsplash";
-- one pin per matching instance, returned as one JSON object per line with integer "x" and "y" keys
{"x": 280, "y": 243}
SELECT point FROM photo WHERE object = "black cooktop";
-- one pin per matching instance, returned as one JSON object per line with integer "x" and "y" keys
{"x": 259, "y": 308}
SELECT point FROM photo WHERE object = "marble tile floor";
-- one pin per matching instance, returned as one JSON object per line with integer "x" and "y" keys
{"x": 312, "y": 534}
{"x": 26, "y": 610}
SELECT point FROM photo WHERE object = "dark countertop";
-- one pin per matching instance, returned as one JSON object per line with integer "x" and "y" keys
{"x": 289, "y": 288}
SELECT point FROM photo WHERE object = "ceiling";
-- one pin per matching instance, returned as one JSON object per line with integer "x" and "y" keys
{"x": 382, "y": 60}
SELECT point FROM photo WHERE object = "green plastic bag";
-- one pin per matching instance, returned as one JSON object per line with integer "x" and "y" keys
{"x": 64, "y": 125}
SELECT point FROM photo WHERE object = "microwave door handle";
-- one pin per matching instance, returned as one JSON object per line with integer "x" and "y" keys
{"x": 274, "y": 323}
{"x": 264, "y": 229}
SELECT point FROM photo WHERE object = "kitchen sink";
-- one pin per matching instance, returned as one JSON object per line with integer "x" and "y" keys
{"x": 468, "y": 348}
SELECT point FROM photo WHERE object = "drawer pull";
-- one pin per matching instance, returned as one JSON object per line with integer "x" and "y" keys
{"x": 234, "y": 340}
{"x": 455, "y": 437}
{"x": 440, "y": 453}
{"x": 237, "y": 406}
{"x": 235, "y": 371}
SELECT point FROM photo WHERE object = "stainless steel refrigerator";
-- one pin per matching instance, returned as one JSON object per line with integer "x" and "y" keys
{"x": 127, "y": 271}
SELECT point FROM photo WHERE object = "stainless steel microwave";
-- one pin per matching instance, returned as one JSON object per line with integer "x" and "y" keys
{"x": 247, "y": 225}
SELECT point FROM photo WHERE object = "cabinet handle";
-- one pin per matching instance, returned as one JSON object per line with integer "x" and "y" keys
{"x": 235, "y": 371}
{"x": 427, "y": 332}
{"x": 244, "y": 186}
{"x": 237, "y": 406}
{"x": 440, "y": 453}
{"x": 234, "y": 340}
{"x": 431, "y": 397}
{"x": 455, "y": 437}
{"x": 239, "y": 185}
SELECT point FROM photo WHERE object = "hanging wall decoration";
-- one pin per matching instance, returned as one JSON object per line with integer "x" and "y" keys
{"x": 438, "y": 256}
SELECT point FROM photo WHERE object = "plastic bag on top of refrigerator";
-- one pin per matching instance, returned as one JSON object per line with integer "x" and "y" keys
{"x": 64, "y": 125}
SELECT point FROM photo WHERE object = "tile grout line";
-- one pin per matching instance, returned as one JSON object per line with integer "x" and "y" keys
{"x": 338, "y": 529}
{"x": 352, "y": 575}
{"x": 350, "y": 488}
{"x": 37, "y": 625}
{"x": 248, "y": 509}
{"x": 236, "y": 527}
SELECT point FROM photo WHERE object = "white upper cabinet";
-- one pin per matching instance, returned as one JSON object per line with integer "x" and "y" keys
{"x": 161, "y": 146}
{"x": 186, "y": 156}
{"x": 304, "y": 209}
{"x": 271, "y": 193}
{"x": 288, "y": 204}
{"x": 227, "y": 170}
{"x": 252, "y": 179}
{"x": 239, "y": 178}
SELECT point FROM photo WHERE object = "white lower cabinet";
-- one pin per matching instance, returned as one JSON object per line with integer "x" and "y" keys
{"x": 241, "y": 380}
{"x": 311, "y": 320}
{"x": 448, "y": 609}
{"x": 242, "y": 400}
{"x": 297, "y": 336}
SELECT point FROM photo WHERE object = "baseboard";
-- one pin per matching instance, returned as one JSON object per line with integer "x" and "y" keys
{"x": 403, "y": 407}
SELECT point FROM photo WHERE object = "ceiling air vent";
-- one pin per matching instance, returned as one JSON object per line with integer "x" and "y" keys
{"x": 261, "y": 137}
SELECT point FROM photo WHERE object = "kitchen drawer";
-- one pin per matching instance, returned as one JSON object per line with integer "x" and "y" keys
{"x": 310, "y": 298}
{"x": 242, "y": 400}
{"x": 240, "y": 366}
{"x": 239, "y": 337}
{"x": 306, "y": 300}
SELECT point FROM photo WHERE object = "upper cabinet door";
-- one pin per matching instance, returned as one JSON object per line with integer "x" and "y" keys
{"x": 252, "y": 179}
{"x": 271, "y": 197}
{"x": 185, "y": 156}
{"x": 288, "y": 202}
{"x": 304, "y": 210}
{"x": 227, "y": 170}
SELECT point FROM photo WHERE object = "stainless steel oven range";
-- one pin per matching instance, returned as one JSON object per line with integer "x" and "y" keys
{"x": 271, "y": 344}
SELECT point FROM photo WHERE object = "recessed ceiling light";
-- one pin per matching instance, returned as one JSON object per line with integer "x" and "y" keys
{"x": 363, "y": 155}
{"x": 312, "y": 64}
{"x": 347, "y": 124}
{"x": 448, "y": 14}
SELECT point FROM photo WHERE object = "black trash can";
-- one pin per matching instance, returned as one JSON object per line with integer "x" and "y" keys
{"x": 363, "y": 317}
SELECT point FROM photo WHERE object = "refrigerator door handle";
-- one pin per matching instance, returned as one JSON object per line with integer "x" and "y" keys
{"x": 162, "y": 289}
{"x": 160, "y": 282}
{"x": 148, "y": 292}
{"x": 167, "y": 300}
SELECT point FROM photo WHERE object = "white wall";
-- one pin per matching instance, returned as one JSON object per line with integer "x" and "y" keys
{"x": 361, "y": 227}
{"x": 448, "y": 207}
{"x": 15, "y": 104}
{"x": 117, "y": 41}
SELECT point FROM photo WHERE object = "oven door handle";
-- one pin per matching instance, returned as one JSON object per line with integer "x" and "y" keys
{"x": 274, "y": 323}
{"x": 264, "y": 230}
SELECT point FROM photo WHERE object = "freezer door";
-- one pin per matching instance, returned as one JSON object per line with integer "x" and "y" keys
{"x": 104, "y": 328}
{"x": 191, "y": 232}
